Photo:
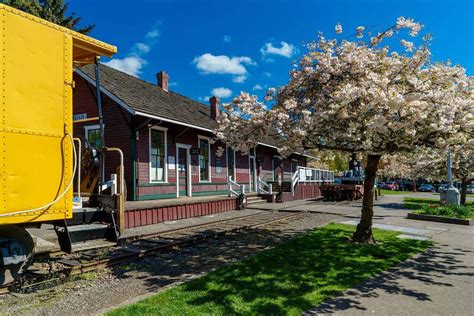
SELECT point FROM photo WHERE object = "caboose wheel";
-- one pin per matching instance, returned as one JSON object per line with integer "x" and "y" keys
{"x": 16, "y": 252}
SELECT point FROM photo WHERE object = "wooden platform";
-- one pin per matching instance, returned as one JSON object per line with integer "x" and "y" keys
{"x": 141, "y": 213}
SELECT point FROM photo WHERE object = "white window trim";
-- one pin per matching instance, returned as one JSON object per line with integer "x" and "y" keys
{"x": 87, "y": 128}
{"x": 227, "y": 164}
{"x": 165, "y": 132}
{"x": 209, "y": 159}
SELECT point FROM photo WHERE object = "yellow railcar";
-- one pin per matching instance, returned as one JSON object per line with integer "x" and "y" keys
{"x": 37, "y": 155}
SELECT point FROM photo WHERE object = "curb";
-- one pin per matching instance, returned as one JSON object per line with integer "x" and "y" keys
{"x": 440, "y": 219}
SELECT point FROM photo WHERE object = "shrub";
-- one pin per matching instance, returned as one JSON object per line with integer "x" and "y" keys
{"x": 463, "y": 211}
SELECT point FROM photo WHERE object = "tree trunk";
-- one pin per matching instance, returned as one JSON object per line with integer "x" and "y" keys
{"x": 363, "y": 233}
{"x": 464, "y": 183}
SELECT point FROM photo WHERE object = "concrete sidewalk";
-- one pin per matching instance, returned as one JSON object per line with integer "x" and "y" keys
{"x": 437, "y": 282}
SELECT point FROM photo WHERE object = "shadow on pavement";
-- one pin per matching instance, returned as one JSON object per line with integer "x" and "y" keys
{"x": 434, "y": 267}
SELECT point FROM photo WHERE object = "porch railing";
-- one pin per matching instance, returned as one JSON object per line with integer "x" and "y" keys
{"x": 263, "y": 187}
{"x": 232, "y": 184}
{"x": 310, "y": 175}
{"x": 315, "y": 175}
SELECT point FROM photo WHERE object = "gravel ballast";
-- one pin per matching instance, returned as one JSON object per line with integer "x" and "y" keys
{"x": 99, "y": 291}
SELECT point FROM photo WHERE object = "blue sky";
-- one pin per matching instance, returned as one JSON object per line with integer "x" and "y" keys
{"x": 224, "y": 47}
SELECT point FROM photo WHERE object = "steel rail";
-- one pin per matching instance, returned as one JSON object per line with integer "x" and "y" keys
{"x": 166, "y": 243}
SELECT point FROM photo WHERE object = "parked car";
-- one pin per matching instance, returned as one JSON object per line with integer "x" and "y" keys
{"x": 426, "y": 188}
{"x": 470, "y": 188}
{"x": 391, "y": 186}
{"x": 443, "y": 187}
{"x": 381, "y": 185}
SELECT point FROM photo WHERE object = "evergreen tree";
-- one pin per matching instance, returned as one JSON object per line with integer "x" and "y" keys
{"x": 50, "y": 10}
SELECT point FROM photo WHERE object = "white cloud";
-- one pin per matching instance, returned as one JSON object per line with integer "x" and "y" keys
{"x": 131, "y": 65}
{"x": 257, "y": 87}
{"x": 239, "y": 79}
{"x": 227, "y": 38}
{"x": 141, "y": 48}
{"x": 172, "y": 84}
{"x": 222, "y": 64}
{"x": 155, "y": 31}
{"x": 286, "y": 50}
{"x": 204, "y": 99}
{"x": 134, "y": 61}
{"x": 267, "y": 74}
{"x": 221, "y": 92}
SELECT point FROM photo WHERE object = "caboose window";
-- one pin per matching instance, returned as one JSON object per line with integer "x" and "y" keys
{"x": 157, "y": 155}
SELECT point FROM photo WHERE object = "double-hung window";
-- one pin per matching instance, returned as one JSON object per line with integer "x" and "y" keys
{"x": 157, "y": 155}
{"x": 93, "y": 136}
{"x": 204, "y": 160}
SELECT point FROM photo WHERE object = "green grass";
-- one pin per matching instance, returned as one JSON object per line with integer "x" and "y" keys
{"x": 390, "y": 192}
{"x": 286, "y": 280}
{"x": 448, "y": 211}
{"x": 431, "y": 207}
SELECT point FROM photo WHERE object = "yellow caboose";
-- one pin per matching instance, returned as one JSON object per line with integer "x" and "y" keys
{"x": 38, "y": 158}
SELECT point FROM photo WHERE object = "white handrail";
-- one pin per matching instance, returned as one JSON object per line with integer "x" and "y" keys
{"x": 261, "y": 186}
{"x": 294, "y": 181}
{"x": 231, "y": 183}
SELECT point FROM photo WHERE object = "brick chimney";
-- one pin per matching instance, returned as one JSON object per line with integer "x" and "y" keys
{"x": 162, "y": 79}
{"x": 214, "y": 102}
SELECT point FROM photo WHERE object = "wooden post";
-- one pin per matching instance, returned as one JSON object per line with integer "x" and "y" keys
{"x": 121, "y": 200}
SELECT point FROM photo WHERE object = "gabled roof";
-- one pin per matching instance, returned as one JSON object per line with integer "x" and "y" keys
{"x": 145, "y": 98}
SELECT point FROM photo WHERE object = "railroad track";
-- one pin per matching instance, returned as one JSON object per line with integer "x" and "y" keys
{"x": 60, "y": 267}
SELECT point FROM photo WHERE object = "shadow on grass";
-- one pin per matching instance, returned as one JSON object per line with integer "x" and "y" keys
{"x": 295, "y": 276}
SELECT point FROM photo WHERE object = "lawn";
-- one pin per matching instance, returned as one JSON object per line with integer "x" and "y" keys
{"x": 390, "y": 192}
{"x": 286, "y": 280}
{"x": 431, "y": 207}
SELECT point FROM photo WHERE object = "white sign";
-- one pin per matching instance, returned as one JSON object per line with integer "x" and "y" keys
{"x": 81, "y": 116}
{"x": 302, "y": 175}
{"x": 171, "y": 162}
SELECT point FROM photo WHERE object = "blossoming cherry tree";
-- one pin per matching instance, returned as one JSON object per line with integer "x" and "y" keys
{"x": 358, "y": 96}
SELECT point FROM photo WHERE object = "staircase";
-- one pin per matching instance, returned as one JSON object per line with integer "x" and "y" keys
{"x": 88, "y": 228}
{"x": 253, "y": 198}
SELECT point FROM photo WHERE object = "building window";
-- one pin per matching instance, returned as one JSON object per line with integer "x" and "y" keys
{"x": 93, "y": 136}
{"x": 204, "y": 160}
{"x": 157, "y": 155}
{"x": 231, "y": 163}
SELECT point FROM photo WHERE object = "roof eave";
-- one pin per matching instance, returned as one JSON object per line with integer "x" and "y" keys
{"x": 133, "y": 111}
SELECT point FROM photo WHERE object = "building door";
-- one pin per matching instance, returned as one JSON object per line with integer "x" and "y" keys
{"x": 183, "y": 171}
{"x": 252, "y": 174}
{"x": 231, "y": 164}
{"x": 294, "y": 166}
{"x": 277, "y": 164}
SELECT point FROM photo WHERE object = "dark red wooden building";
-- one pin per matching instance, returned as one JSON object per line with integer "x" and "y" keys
{"x": 167, "y": 139}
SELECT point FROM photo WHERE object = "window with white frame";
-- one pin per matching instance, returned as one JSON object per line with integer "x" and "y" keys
{"x": 204, "y": 160}
{"x": 157, "y": 155}
{"x": 92, "y": 134}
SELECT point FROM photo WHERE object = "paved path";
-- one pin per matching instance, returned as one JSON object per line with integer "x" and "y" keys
{"x": 438, "y": 282}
